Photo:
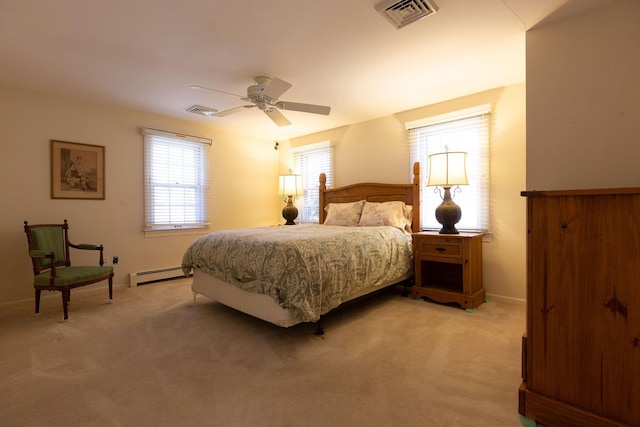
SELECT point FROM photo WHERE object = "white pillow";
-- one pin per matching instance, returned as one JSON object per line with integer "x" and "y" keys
{"x": 408, "y": 216}
{"x": 344, "y": 213}
{"x": 384, "y": 213}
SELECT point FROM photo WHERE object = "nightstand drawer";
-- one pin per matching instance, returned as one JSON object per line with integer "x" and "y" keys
{"x": 448, "y": 248}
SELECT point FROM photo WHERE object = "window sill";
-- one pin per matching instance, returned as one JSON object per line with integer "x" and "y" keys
{"x": 176, "y": 232}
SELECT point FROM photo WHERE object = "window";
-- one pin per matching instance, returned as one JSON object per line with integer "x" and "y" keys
{"x": 175, "y": 175}
{"x": 310, "y": 161}
{"x": 467, "y": 131}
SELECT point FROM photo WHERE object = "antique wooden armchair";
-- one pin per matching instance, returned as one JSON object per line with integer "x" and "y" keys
{"x": 49, "y": 250}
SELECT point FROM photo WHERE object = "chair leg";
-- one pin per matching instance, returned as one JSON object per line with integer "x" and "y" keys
{"x": 111, "y": 288}
{"x": 38, "y": 300}
{"x": 66, "y": 296}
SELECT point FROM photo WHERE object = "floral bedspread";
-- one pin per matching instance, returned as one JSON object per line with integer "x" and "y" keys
{"x": 307, "y": 269}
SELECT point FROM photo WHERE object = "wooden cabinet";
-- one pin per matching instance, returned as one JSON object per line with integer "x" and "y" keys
{"x": 581, "y": 350}
{"x": 448, "y": 268}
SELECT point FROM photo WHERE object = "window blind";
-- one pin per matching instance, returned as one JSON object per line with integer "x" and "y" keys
{"x": 310, "y": 162}
{"x": 471, "y": 135}
{"x": 176, "y": 184}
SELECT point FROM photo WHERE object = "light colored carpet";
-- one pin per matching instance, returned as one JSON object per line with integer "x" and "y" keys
{"x": 156, "y": 358}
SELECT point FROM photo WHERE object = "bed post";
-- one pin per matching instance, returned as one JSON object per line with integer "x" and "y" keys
{"x": 322, "y": 188}
{"x": 416, "y": 225}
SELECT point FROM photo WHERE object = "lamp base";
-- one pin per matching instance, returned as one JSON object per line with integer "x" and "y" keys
{"x": 448, "y": 214}
{"x": 448, "y": 229}
{"x": 290, "y": 212}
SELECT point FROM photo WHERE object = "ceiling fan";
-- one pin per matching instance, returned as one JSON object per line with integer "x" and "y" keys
{"x": 264, "y": 95}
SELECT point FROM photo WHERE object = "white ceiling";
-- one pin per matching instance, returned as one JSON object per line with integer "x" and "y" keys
{"x": 144, "y": 54}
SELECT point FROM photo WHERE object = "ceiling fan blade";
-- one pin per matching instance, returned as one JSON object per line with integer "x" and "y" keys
{"x": 306, "y": 108}
{"x": 216, "y": 90}
{"x": 276, "y": 88}
{"x": 232, "y": 110}
{"x": 277, "y": 117}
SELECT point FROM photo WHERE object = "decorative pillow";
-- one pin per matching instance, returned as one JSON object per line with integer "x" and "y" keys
{"x": 344, "y": 213}
{"x": 385, "y": 213}
{"x": 408, "y": 215}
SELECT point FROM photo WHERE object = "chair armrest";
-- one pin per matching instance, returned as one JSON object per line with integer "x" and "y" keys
{"x": 87, "y": 246}
{"x": 41, "y": 254}
{"x": 90, "y": 247}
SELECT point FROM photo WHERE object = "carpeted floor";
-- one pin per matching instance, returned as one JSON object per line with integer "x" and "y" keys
{"x": 156, "y": 358}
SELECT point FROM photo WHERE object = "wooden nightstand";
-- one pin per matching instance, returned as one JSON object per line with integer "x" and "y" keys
{"x": 448, "y": 268}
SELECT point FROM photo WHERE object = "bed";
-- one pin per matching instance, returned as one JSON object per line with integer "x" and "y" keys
{"x": 287, "y": 275}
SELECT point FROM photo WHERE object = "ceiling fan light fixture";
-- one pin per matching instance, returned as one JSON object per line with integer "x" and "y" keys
{"x": 403, "y": 12}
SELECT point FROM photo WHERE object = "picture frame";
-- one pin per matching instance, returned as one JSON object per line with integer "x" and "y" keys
{"x": 77, "y": 171}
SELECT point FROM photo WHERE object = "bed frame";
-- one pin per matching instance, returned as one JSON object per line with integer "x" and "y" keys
{"x": 263, "y": 306}
{"x": 374, "y": 192}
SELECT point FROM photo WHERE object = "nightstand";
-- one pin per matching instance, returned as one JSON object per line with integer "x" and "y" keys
{"x": 448, "y": 268}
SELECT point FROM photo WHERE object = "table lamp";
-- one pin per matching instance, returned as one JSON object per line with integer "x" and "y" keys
{"x": 290, "y": 186}
{"x": 446, "y": 170}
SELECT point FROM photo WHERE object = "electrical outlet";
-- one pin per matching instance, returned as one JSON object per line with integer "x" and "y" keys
{"x": 115, "y": 259}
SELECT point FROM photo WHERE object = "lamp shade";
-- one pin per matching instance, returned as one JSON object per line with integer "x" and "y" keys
{"x": 290, "y": 185}
{"x": 448, "y": 169}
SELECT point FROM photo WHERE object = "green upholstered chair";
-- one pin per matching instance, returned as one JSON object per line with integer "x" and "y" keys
{"x": 49, "y": 250}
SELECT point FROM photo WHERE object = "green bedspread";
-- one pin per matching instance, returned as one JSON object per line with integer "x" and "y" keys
{"x": 307, "y": 269}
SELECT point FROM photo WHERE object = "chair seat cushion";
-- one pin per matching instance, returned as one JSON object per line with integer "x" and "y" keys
{"x": 72, "y": 275}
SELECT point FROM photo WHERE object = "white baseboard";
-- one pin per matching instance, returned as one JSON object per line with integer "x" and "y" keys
{"x": 150, "y": 276}
{"x": 502, "y": 298}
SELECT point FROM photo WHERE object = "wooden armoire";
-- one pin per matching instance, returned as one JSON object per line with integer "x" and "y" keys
{"x": 581, "y": 349}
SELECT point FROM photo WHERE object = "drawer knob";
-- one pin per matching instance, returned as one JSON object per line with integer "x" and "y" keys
{"x": 441, "y": 250}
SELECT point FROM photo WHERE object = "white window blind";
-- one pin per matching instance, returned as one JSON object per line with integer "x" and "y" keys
{"x": 469, "y": 132}
{"x": 176, "y": 183}
{"x": 310, "y": 161}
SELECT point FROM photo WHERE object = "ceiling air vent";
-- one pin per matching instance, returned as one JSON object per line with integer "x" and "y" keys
{"x": 203, "y": 111}
{"x": 404, "y": 12}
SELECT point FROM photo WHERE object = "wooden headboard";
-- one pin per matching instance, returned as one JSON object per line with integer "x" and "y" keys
{"x": 374, "y": 192}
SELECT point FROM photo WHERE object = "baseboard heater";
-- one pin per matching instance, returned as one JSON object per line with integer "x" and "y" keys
{"x": 144, "y": 277}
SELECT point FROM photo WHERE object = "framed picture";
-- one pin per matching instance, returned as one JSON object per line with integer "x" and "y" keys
{"x": 77, "y": 171}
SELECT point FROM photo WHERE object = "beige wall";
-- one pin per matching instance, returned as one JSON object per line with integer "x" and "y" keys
{"x": 242, "y": 172}
{"x": 378, "y": 151}
{"x": 583, "y": 114}
{"x": 243, "y": 179}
